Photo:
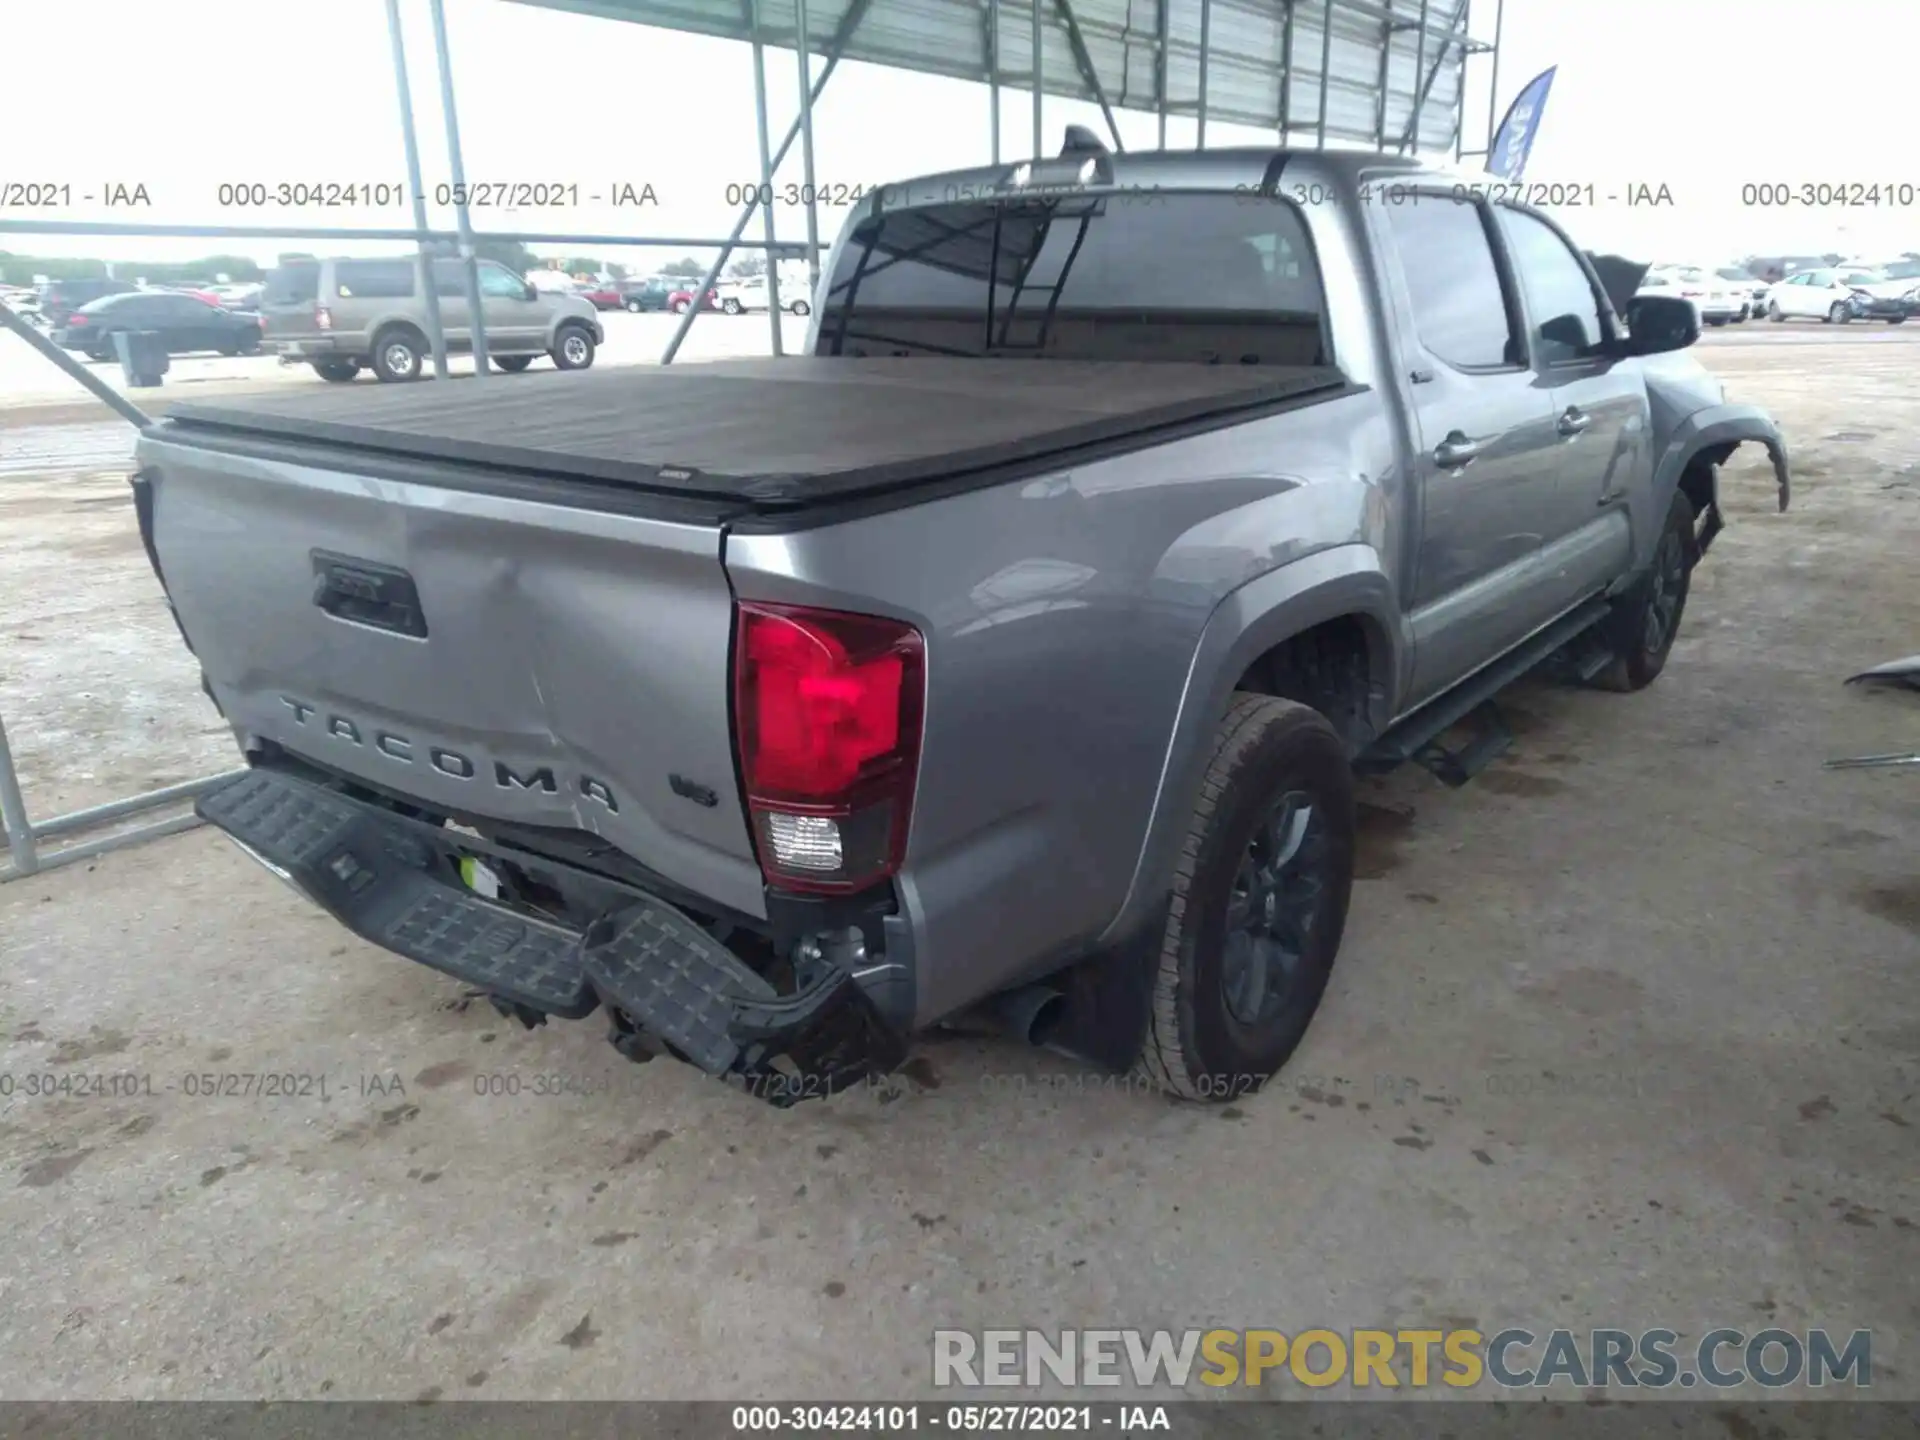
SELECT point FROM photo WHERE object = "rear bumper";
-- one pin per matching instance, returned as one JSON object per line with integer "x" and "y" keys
{"x": 309, "y": 348}
{"x": 667, "y": 983}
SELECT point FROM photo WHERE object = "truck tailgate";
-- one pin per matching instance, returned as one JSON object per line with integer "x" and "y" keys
{"x": 498, "y": 657}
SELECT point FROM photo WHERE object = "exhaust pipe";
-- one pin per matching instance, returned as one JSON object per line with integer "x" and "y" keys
{"x": 1030, "y": 1014}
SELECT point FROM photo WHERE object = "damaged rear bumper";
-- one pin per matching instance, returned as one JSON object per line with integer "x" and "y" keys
{"x": 669, "y": 985}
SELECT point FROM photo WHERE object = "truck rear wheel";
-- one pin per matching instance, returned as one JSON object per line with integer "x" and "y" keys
{"x": 1260, "y": 898}
{"x": 1645, "y": 620}
{"x": 397, "y": 354}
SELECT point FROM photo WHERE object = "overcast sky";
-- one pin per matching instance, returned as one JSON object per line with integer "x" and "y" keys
{"x": 1701, "y": 96}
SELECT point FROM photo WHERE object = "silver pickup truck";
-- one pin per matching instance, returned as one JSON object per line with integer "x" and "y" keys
{"x": 1010, "y": 651}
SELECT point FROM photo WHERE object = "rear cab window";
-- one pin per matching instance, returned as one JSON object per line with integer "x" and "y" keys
{"x": 1178, "y": 276}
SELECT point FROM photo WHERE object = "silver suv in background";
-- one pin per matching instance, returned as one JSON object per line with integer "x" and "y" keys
{"x": 345, "y": 315}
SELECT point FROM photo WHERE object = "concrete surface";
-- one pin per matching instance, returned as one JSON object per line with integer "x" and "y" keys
{"x": 1626, "y": 1033}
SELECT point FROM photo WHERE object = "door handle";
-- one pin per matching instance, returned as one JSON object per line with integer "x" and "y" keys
{"x": 1457, "y": 450}
{"x": 1572, "y": 421}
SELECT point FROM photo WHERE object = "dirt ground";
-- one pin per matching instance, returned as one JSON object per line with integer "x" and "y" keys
{"x": 1626, "y": 1033}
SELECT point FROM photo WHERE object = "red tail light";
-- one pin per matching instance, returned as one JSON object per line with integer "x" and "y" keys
{"x": 828, "y": 710}
{"x": 73, "y": 320}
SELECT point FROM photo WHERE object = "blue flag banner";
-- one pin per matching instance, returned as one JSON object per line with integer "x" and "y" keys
{"x": 1514, "y": 139}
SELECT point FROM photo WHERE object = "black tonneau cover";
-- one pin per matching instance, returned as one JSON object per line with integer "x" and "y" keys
{"x": 765, "y": 432}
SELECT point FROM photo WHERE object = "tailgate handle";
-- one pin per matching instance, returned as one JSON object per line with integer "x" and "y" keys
{"x": 366, "y": 593}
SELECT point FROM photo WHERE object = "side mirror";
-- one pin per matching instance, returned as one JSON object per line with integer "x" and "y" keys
{"x": 1657, "y": 324}
{"x": 527, "y": 292}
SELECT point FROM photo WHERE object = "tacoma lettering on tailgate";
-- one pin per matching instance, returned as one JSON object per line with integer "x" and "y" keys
{"x": 449, "y": 762}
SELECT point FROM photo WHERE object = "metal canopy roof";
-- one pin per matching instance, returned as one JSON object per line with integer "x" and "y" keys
{"x": 1262, "y": 58}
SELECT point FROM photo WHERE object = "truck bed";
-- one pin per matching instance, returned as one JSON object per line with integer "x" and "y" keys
{"x": 766, "y": 433}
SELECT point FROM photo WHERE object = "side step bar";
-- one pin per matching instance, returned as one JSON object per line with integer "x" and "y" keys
{"x": 1415, "y": 734}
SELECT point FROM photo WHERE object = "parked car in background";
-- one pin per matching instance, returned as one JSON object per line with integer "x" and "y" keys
{"x": 740, "y": 297}
{"x": 1901, "y": 281}
{"x": 680, "y": 301}
{"x": 344, "y": 315}
{"x": 646, "y": 295}
{"x": 22, "y": 300}
{"x": 238, "y": 297}
{"x": 1712, "y": 300}
{"x": 1748, "y": 288}
{"x": 602, "y": 296}
{"x": 186, "y": 325}
{"x": 205, "y": 295}
{"x": 61, "y": 298}
{"x": 1835, "y": 295}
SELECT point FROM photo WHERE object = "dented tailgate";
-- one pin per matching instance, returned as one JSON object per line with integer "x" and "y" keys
{"x": 502, "y": 657}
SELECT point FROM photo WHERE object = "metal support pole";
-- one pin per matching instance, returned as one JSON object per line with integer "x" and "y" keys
{"x": 13, "y": 814}
{"x": 1380, "y": 83}
{"x": 423, "y": 259}
{"x": 1089, "y": 72}
{"x": 993, "y": 75}
{"x": 1460, "y": 91}
{"x": 1420, "y": 94}
{"x": 767, "y": 169}
{"x": 1039, "y": 67}
{"x": 1160, "y": 67}
{"x": 1493, "y": 84}
{"x": 806, "y": 143}
{"x": 99, "y": 388}
{"x": 1286, "y": 75}
{"x": 1206, "y": 35}
{"x": 849, "y": 22}
{"x": 1326, "y": 58}
{"x": 469, "y": 262}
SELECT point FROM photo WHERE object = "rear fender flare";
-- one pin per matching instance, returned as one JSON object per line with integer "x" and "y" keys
{"x": 1345, "y": 580}
{"x": 1715, "y": 427}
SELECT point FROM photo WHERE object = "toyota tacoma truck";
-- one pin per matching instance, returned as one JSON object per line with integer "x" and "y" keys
{"x": 1010, "y": 651}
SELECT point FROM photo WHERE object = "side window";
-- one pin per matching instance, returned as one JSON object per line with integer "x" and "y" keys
{"x": 448, "y": 281}
{"x": 374, "y": 279}
{"x": 1458, "y": 307}
{"x": 1566, "y": 314}
{"x": 496, "y": 283}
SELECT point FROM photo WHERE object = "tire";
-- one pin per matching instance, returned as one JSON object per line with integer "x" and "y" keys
{"x": 1896, "y": 319}
{"x": 398, "y": 354}
{"x": 573, "y": 348}
{"x": 1271, "y": 759}
{"x": 512, "y": 364}
{"x": 1641, "y": 630}
{"x": 339, "y": 372}
{"x": 250, "y": 346}
{"x": 732, "y": 307}
{"x": 634, "y": 307}
{"x": 680, "y": 307}
{"x": 801, "y": 307}
{"x": 1839, "y": 313}
{"x": 1776, "y": 314}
